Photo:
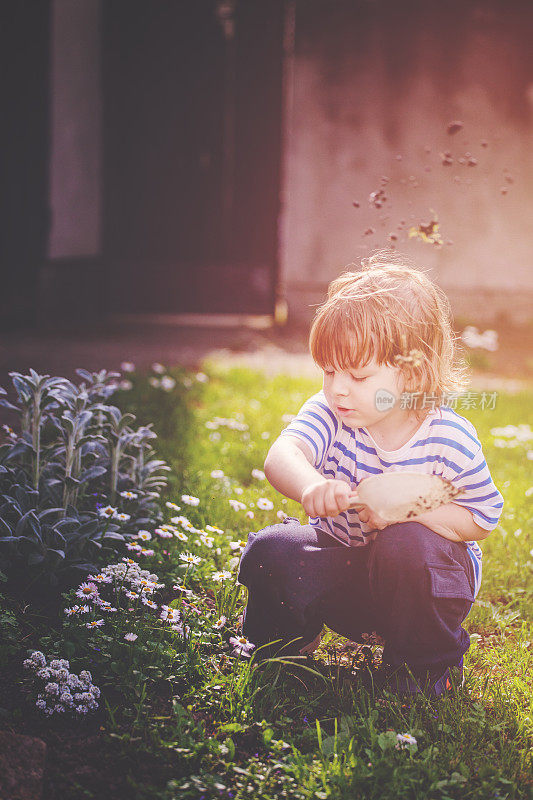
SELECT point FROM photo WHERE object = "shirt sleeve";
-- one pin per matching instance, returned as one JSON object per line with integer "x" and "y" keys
{"x": 316, "y": 425}
{"x": 480, "y": 495}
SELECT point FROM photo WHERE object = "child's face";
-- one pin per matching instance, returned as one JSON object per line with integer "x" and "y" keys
{"x": 362, "y": 396}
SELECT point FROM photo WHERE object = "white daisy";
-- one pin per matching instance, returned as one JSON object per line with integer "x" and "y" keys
{"x": 404, "y": 740}
{"x": 129, "y": 495}
{"x": 87, "y": 591}
{"x": 221, "y": 621}
{"x": 130, "y": 637}
{"x": 145, "y": 536}
{"x": 159, "y": 368}
{"x": 109, "y": 512}
{"x": 240, "y": 545}
{"x": 241, "y": 645}
{"x": 127, "y": 366}
{"x": 96, "y": 623}
{"x": 258, "y": 474}
{"x": 264, "y": 504}
{"x": 213, "y": 529}
{"x": 217, "y": 474}
{"x": 123, "y": 517}
{"x": 222, "y": 575}
{"x": 190, "y": 500}
{"x": 189, "y": 558}
{"x": 172, "y": 506}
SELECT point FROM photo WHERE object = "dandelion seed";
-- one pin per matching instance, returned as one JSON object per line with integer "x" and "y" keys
{"x": 264, "y": 504}
{"x": 190, "y": 500}
{"x": 130, "y": 637}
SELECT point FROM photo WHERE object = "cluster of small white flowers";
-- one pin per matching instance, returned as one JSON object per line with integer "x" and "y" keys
{"x": 222, "y": 422}
{"x": 488, "y": 340}
{"x": 64, "y": 690}
{"x": 129, "y": 578}
{"x": 515, "y": 435}
{"x": 237, "y": 505}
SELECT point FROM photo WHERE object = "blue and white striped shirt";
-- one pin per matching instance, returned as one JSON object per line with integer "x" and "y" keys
{"x": 445, "y": 444}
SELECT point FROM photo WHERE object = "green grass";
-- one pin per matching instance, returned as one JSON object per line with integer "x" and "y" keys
{"x": 205, "y": 724}
{"x": 302, "y": 733}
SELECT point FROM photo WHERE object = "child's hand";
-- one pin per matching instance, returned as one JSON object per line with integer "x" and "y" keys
{"x": 366, "y": 514}
{"x": 327, "y": 498}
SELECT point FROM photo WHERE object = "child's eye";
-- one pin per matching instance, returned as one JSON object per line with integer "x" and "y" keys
{"x": 359, "y": 380}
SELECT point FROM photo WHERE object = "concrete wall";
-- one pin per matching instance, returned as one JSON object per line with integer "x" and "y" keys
{"x": 76, "y": 153}
{"x": 375, "y": 86}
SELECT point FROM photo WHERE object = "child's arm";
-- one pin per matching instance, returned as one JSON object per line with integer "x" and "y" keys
{"x": 454, "y": 522}
{"x": 288, "y": 467}
{"x": 450, "y": 521}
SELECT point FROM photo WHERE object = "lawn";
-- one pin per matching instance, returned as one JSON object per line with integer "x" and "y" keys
{"x": 182, "y": 714}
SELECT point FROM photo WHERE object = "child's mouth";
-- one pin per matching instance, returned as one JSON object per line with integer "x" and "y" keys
{"x": 343, "y": 410}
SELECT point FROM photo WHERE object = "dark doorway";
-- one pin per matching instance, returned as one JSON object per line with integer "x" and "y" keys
{"x": 24, "y": 154}
{"x": 192, "y": 149}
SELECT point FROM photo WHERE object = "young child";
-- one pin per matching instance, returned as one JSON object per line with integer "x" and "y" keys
{"x": 384, "y": 341}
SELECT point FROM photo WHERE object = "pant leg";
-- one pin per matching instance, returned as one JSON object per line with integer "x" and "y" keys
{"x": 422, "y": 587}
{"x": 298, "y": 578}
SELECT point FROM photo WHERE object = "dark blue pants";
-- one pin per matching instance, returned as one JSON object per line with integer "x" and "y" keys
{"x": 410, "y": 585}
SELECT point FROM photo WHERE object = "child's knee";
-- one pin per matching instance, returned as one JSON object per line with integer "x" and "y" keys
{"x": 264, "y": 550}
{"x": 405, "y": 548}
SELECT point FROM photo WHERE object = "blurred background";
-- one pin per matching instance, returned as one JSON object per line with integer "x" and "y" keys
{"x": 220, "y": 161}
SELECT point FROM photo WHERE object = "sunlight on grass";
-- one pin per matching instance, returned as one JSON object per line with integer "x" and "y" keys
{"x": 318, "y": 727}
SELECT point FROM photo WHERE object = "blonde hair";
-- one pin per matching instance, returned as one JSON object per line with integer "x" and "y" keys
{"x": 392, "y": 312}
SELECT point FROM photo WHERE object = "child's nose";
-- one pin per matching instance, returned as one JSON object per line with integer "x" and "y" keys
{"x": 340, "y": 384}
